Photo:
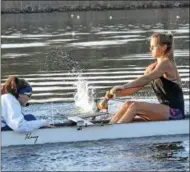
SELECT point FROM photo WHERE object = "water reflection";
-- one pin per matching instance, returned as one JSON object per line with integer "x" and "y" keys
{"x": 51, "y": 53}
{"x": 104, "y": 49}
{"x": 151, "y": 153}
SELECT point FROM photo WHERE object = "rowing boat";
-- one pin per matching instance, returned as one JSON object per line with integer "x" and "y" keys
{"x": 79, "y": 129}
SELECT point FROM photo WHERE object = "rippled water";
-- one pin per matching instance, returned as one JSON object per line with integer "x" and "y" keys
{"x": 154, "y": 153}
{"x": 54, "y": 51}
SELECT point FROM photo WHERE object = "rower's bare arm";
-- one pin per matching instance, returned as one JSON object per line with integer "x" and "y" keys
{"x": 158, "y": 71}
{"x": 139, "y": 83}
{"x": 150, "y": 68}
{"x": 128, "y": 92}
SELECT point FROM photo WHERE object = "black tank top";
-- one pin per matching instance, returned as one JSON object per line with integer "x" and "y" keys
{"x": 168, "y": 93}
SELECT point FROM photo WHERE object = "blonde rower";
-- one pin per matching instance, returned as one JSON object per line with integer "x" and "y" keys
{"x": 165, "y": 81}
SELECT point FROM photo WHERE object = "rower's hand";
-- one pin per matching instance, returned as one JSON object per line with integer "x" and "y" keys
{"x": 110, "y": 94}
{"x": 115, "y": 90}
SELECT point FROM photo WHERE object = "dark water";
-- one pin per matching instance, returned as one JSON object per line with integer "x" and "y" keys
{"x": 54, "y": 51}
{"x": 154, "y": 153}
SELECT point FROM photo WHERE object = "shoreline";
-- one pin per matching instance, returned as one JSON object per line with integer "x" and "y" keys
{"x": 21, "y": 7}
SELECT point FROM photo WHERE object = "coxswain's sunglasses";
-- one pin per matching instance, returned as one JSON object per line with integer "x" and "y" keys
{"x": 28, "y": 94}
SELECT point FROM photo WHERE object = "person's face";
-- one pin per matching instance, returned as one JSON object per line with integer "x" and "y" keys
{"x": 156, "y": 49}
{"x": 23, "y": 99}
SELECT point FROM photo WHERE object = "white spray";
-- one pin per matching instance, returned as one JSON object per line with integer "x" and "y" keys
{"x": 84, "y": 96}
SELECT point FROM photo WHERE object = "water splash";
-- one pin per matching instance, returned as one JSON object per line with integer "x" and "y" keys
{"x": 84, "y": 96}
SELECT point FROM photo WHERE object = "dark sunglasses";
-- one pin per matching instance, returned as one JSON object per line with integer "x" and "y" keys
{"x": 28, "y": 94}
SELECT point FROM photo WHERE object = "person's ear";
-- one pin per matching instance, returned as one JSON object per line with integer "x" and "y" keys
{"x": 19, "y": 95}
{"x": 165, "y": 47}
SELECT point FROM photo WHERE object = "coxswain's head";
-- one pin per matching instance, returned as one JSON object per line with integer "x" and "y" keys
{"x": 19, "y": 88}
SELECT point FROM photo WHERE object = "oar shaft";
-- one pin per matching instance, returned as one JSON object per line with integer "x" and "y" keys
{"x": 94, "y": 115}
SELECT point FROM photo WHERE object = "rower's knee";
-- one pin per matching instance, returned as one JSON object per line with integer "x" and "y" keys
{"x": 128, "y": 103}
{"x": 134, "y": 106}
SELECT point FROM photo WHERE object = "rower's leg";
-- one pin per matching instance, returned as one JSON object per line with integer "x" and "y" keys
{"x": 140, "y": 119}
{"x": 121, "y": 112}
{"x": 154, "y": 112}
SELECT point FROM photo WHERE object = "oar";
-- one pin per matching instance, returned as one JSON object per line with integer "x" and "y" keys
{"x": 94, "y": 115}
{"x": 72, "y": 123}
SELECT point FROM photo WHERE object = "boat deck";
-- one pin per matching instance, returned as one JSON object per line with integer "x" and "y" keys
{"x": 95, "y": 122}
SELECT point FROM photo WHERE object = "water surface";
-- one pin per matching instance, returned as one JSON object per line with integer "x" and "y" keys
{"x": 103, "y": 49}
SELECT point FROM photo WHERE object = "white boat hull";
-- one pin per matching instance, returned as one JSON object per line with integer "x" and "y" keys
{"x": 96, "y": 132}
